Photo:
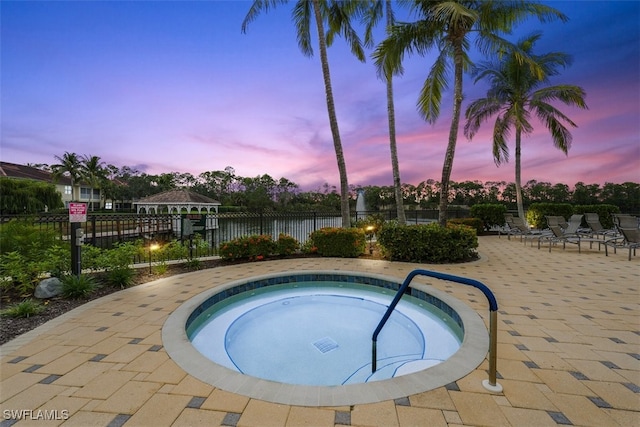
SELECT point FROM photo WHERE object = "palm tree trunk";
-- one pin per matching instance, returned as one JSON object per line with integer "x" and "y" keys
{"x": 333, "y": 121}
{"x": 397, "y": 183}
{"x": 519, "y": 202}
{"x": 453, "y": 137}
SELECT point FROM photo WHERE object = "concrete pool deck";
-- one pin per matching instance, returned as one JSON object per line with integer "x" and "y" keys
{"x": 568, "y": 351}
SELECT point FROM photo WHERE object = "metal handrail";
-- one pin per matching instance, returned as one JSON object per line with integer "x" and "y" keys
{"x": 491, "y": 384}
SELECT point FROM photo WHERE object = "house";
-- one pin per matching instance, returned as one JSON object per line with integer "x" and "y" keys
{"x": 63, "y": 184}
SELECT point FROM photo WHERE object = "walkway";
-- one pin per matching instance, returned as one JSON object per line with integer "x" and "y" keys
{"x": 568, "y": 352}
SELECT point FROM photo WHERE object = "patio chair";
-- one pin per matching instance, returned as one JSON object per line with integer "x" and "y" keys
{"x": 569, "y": 235}
{"x": 513, "y": 226}
{"x": 595, "y": 227}
{"x": 625, "y": 221}
{"x": 629, "y": 238}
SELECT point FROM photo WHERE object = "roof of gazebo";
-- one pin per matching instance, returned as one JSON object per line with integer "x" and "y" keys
{"x": 177, "y": 197}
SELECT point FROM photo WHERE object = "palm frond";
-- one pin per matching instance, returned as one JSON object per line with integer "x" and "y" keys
{"x": 430, "y": 95}
{"x": 302, "y": 19}
{"x": 256, "y": 8}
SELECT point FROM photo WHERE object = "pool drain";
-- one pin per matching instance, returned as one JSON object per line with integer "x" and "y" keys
{"x": 325, "y": 345}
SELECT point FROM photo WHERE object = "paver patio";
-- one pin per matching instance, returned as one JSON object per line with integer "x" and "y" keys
{"x": 568, "y": 351}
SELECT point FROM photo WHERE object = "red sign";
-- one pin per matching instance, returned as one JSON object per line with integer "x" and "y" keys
{"x": 77, "y": 212}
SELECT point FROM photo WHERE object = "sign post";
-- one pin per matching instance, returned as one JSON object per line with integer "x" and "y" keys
{"x": 77, "y": 215}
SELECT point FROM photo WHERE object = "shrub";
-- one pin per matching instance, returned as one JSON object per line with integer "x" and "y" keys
{"x": 193, "y": 264}
{"x": 538, "y": 212}
{"x": 286, "y": 245}
{"x": 172, "y": 250}
{"x": 161, "y": 268}
{"x": 120, "y": 276}
{"x": 428, "y": 243}
{"x": 19, "y": 272}
{"x": 27, "y": 308}
{"x": 491, "y": 214}
{"x": 339, "y": 242}
{"x": 248, "y": 247}
{"x": 77, "y": 287}
{"x": 475, "y": 223}
{"x": 122, "y": 255}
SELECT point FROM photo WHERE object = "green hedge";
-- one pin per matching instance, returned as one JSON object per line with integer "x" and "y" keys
{"x": 428, "y": 243}
{"x": 338, "y": 242}
{"x": 538, "y": 212}
{"x": 491, "y": 214}
{"x": 258, "y": 247}
{"x": 475, "y": 223}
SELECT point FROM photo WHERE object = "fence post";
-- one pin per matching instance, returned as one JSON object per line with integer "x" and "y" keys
{"x": 93, "y": 230}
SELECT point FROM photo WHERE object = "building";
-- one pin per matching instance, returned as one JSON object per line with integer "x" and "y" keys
{"x": 88, "y": 195}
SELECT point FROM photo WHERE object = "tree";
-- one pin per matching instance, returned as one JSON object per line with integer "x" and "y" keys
{"x": 447, "y": 26}
{"x": 70, "y": 165}
{"x": 94, "y": 173}
{"x": 515, "y": 94}
{"x": 376, "y": 12}
{"x": 337, "y": 16}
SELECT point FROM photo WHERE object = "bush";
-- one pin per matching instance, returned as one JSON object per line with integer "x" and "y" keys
{"x": 286, "y": 245}
{"x": 339, "y": 242}
{"x": 19, "y": 273}
{"x": 428, "y": 243}
{"x": 538, "y": 212}
{"x": 26, "y": 308}
{"x": 491, "y": 214}
{"x": 77, "y": 287}
{"x": 475, "y": 223}
{"x": 120, "y": 276}
{"x": 248, "y": 247}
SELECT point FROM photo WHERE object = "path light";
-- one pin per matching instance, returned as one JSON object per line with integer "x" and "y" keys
{"x": 152, "y": 247}
{"x": 370, "y": 229}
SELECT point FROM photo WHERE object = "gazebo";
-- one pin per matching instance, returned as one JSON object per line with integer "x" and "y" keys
{"x": 180, "y": 201}
{"x": 190, "y": 212}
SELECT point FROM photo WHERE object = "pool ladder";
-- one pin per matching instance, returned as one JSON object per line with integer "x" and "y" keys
{"x": 489, "y": 384}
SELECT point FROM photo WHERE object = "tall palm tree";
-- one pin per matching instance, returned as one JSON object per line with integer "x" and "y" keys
{"x": 447, "y": 26}
{"x": 336, "y": 14}
{"x": 372, "y": 18}
{"x": 93, "y": 171}
{"x": 71, "y": 165}
{"x": 515, "y": 95}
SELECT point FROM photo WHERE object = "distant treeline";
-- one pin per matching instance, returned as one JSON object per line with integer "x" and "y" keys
{"x": 268, "y": 194}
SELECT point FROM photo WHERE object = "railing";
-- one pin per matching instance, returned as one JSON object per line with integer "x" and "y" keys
{"x": 491, "y": 384}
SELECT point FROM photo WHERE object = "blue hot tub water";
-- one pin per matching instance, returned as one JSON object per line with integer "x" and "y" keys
{"x": 319, "y": 333}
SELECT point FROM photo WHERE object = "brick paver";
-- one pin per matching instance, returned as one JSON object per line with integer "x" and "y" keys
{"x": 568, "y": 351}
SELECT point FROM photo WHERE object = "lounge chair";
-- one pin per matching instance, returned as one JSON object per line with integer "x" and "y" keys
{"x": 629, "y": 238}
{"x": 595, "y": 227}
{"x": 625, "y": 221}
{"x": 569, "y": 235}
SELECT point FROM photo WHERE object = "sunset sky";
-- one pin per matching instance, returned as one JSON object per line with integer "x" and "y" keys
{"x": 175, "y": 86}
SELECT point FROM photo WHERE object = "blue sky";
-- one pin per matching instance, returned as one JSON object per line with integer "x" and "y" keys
{"x": 175, "y": 86}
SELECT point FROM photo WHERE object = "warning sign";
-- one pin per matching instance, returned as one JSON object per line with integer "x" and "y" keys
{"x": 77, "y": 212}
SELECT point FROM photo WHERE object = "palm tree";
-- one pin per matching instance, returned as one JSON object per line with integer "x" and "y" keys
{"x": 515, "y": 95}
{"x": 447, "y": 25}
{"x": 93, "y": 171}
{"x": 336, "y": 14}
{"x": 70, "y": 165}
{"x": 372, "y": 18}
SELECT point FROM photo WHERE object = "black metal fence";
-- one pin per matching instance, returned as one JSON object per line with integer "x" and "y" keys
{"x": 104, "y": 230}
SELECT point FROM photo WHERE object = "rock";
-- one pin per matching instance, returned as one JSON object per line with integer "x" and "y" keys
{"x": 48, "y": 288}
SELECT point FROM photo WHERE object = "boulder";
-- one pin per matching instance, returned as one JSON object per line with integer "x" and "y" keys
{"x": 48, "y": 288}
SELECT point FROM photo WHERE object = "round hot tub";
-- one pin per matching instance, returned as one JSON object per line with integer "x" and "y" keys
{"x": 306, "y": 338}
